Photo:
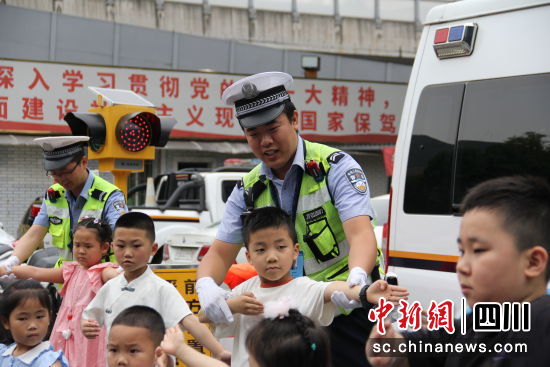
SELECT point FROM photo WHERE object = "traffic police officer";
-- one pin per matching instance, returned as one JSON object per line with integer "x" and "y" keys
{"x": 323, "y": 189}
{"x": 76, "y": 193}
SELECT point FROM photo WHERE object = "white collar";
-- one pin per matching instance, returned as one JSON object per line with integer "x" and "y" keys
{"x": 146, "y": 274}
{"x": 28, "y": 356}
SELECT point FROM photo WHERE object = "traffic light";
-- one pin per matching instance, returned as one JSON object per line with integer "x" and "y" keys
{"x": 123, "y": 132}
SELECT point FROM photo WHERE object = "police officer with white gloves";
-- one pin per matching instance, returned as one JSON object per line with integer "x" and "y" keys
{"x": 76, "y": 193}
{"x": 323, "y": 189}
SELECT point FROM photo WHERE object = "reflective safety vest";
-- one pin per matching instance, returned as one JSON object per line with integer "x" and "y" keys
{"x": 59, "y": 215}
{"x": 318, "y": 225}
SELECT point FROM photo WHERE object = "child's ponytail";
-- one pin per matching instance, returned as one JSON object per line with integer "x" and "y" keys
{"x": 288, "y": 339}
{"x": 103, "y": 228}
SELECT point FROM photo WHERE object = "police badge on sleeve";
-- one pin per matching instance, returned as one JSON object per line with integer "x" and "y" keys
{"x": 120, "y": 207}
{"x": 357, "y": 179}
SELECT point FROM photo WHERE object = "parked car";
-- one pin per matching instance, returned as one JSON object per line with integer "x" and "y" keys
{"x": 381, "y": 206}
{"x": 5, "y": 237}
{"x": 28, "y": 219}
{"x": 192, "y": 245}
{"x": 5, "y": 243}
{"x": 188, "y": 206}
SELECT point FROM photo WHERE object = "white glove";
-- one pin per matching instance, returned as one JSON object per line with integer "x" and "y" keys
{"x": 212, "y": 299}
{"x": 9, "y": 263}
{"x": 339, "y": 299}
{"x": 357, "y": 276}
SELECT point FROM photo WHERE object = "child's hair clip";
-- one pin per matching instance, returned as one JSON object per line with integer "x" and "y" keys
{"x": 96, "y": 221}
{"x": 278, "y": 309}
{"x": 313, "y": 346}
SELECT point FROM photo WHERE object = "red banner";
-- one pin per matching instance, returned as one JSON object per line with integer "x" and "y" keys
{"x": 34, "y": 97}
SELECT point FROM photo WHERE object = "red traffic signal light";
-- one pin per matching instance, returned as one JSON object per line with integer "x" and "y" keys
{"x": 122, "y": 134}
{"x": 135, "y": 133}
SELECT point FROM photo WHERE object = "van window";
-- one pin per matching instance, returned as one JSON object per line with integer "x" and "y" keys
{"x": 428, "y": 184}
{"x": 504, "y": 130}
{"x": 501, "y": 127}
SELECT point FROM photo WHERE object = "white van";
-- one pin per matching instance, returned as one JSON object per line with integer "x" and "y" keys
{"x": 477, "y": 107}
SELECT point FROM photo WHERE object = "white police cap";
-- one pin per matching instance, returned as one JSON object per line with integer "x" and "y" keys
{"x": 259, "y": 98}
{"x": 58, "y": 151}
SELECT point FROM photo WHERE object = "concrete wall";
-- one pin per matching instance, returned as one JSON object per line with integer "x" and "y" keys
{"x": 320, "y": 33}
{"x": 37, "y": 35}
{"x": 23, "y": 179}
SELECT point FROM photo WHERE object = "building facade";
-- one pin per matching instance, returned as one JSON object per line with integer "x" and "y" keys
{"x": 222, "y": 44}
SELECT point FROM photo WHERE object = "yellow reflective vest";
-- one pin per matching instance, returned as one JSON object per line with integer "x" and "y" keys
{"x": 59, "y": 216}
{"x": 318, "y": 226}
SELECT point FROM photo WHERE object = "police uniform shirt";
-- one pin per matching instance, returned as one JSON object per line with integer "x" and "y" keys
{"x": 349, "y": 201}
{"x": 114, "y": 207}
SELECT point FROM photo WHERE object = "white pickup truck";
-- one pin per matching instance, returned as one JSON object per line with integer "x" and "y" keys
{"x": 189, "y": 206}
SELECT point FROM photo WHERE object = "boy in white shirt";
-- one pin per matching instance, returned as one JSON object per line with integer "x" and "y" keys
{"x": 270, "y": 241}
{"x": 133, "y": 243}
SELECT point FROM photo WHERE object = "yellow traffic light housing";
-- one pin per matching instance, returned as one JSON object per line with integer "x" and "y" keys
{"x": 123, "y": 132}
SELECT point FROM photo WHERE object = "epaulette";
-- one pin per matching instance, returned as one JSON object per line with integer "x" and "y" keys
{"x": 98, "y": 194}
{"x": 335, "y": 157}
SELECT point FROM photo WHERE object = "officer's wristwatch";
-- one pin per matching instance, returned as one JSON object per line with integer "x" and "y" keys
{"x": 363, "y": 298}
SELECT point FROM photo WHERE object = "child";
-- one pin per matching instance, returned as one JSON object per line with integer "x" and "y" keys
{"x": 287, "y": 338}
{"x": 135, "y": 337}
{"x": 270, "y": 241}
{"x": 174, "y": 344}
{"x": 503, "y": 242}
{"x": 134, "y": 243}
{"x": 25, "y": 311}
{"x": 81, "y": 282}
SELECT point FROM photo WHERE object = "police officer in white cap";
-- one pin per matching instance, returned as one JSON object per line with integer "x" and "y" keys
{"x": 323, "y": 189}
{"x": 75, "y": 193}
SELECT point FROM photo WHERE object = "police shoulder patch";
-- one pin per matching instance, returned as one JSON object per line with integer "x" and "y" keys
{"x": 357, "y": 179}
{"x": 120, "y": 207}
{"x": 335, "y": 157}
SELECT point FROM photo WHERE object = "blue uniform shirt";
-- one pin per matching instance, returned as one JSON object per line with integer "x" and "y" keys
{"x": 349, "y": 201}
{"x": 114, "y": 207}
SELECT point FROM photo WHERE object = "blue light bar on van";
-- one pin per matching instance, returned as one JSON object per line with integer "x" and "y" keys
{"x": 455, "y": 41}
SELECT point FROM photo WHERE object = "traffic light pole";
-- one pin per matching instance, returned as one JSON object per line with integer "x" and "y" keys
{"x": 121, "y": 181}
